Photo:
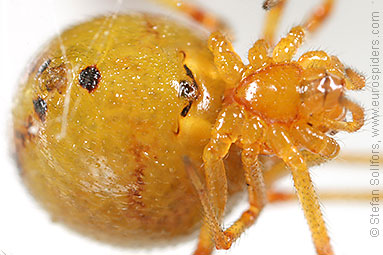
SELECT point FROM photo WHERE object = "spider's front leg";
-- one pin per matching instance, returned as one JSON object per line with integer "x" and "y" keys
{"x": 276, "y": 7}
{"x": 283, "y": 146}
{"x": 229, "y": 128}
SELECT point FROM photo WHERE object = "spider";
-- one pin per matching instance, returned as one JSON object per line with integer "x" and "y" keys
{"x": 311, "y": 106}
{"x": 275, "y": 106}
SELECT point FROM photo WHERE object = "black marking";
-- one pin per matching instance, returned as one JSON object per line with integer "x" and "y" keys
{"x": 187, "y": 90}
{"x": 89, "y": 78}
{"x": 40, "y": 108}
{"x": 43, "y": 67}
{"x": 186, "y": 109}
{"x": 189, "y": 72}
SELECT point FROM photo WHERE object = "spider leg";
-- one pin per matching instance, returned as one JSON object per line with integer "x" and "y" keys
{"x": 258, "y": 54}
{"x": 257, "y": 200}
{"x": 314, "y": 141}
{"x": 228, "y": 129}
{"x": 228, "y": 63}
{"x": 320, "y": 59}
{"x": 273, "y": 16}
{"x": 286, "y": 48}
{"x": 205, "y": 242}
{"x": 351, "y": 126}
{"x": 277, "y": 168}
{"x": 277, "y": 197}
{"x": 213, "y": 194}
{"x": 280, "y": 142}
{"x": 210, "y": 21}
{"x": 355, "y": 81}
{"x": 354, "y": 158}
{"x": 319, "y": 15}
{"x": 320, "y": 148}
{"x": 275, "y": 9}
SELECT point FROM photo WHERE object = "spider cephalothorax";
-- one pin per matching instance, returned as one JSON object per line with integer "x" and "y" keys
{"x": 278, "y": 106}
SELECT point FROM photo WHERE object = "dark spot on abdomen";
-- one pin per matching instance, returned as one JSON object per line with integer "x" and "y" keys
{"x": 89, "y": 78}
{"x": 186, "y": 109}
{"x": 43, "y": 67}
{"x": 40, "y": 107}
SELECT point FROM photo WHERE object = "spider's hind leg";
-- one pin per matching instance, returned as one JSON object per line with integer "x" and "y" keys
{"x": 257, "y": 200}
{"x": 229, "y": 129}
{"x": 208, "y": 20}
{"x": 280, "y": 143}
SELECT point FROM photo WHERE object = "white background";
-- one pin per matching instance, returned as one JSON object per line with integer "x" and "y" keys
{"x": 281, "y": 229}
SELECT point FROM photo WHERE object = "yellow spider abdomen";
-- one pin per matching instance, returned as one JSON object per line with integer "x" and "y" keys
{"x": 101, "y": 129}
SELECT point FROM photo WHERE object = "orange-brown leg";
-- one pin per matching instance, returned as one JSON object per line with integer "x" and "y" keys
{"x": 226, "y": 131}
{"x": 355, "y": 80}
{"x": 351, "y": 158}
{"x": 205, "y": 241}
{"x": 277, "y": 169}
{"x": 257, "y": 200}
{"x": 286, "y": 48}
{"x": 228, "y": 63}
{"x": 281, "y": 144}
{"x": 257, "y": 197}
{"x": 206, "y": 19}
{"x": 273, "y": 16}
{"x": 357, "y": 118}
{"x": 278, "y": 196}
{"x": 259, "y": 55}
{"x": 276, "y": 7}
{"x": 319, "y": 15}
{"x": 213, "y": 194}
{"x": 314, "y": 141}
{"x": 320, "y": 59}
